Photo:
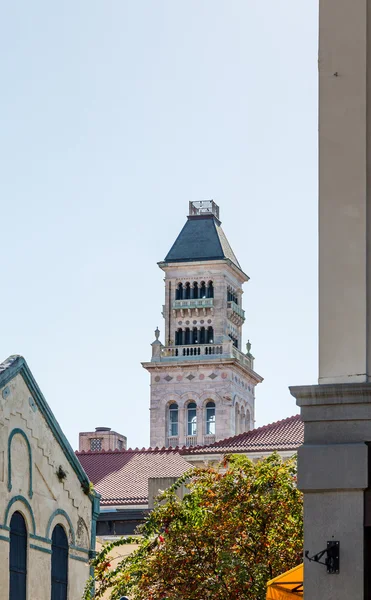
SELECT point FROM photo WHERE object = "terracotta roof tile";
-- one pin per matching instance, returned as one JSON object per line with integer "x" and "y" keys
{"x": 287, "y": 434}
{"x": 121, "y": 477}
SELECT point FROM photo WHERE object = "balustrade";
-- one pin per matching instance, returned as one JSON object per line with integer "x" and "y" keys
{"x": 191, "y": 440}
{"x": 191, "y": 351}
{"x": 193, "y": 303}
{"x": 234, "y": 308}
{"x": 209, "y": 439}
{"x": 173, "y": 441}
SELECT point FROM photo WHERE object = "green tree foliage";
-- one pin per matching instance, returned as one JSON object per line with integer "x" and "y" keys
{"x": 239, "y": 525}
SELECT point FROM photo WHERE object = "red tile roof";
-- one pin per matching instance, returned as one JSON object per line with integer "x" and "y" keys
{"x": 121, "y": 477}
{"x": 287, "y": 434}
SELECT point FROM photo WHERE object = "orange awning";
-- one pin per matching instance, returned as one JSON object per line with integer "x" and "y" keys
{"x": 287, "y": 586}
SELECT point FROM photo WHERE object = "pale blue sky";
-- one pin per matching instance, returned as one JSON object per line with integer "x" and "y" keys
{"x": 113, "y": 115}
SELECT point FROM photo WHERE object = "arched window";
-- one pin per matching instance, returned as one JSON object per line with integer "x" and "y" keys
{"x": 242, "y": 423}
{"x": 210, "y": 335}
{"x": 187, "y": 336}
{"x": 18, "y": 558}
{"x": 173, "y": 419}
{"x": 202, "y": 290}
{"x": 210, "y": 418}
{"x": 179, "y": 292}
{"x": 59, "y": 564}
{"x": 179, "y": 337}
{"x": 192, "y": 418}
{"x": 187, "y": 291}
{"x": 210, "y": 290}
{"x": 237, "y": 419}
{"x": 195, "y": 336}
{"x": 195, "y": 290}
{"x": 202, "y": 335}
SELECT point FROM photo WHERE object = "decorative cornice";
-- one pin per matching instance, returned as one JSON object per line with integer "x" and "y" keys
{"x": 193, "y": 366}
{"x": 332, "y": 393}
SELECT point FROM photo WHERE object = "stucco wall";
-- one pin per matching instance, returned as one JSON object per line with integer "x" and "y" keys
{"x": 29, "y": 459}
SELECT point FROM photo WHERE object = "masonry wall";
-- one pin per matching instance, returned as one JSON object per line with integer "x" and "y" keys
{"x": 225, "y": 384}
{"x": 30, "y": 457}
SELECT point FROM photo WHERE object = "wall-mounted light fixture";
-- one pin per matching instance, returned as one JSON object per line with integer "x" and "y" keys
{"x": 332, "y": 560}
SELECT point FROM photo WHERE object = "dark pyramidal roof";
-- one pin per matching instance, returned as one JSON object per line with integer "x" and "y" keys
{"x": 202, "y": 237}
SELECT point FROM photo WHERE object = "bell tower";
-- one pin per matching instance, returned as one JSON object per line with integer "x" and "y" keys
{"x": 202, "y": 383}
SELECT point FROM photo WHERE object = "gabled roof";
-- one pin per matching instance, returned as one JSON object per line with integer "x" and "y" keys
{"x": 16, "y": 365}
{"x": 287, "y": 434}
{"x": 121, "y": 476}
{"x": 202, "y": 238}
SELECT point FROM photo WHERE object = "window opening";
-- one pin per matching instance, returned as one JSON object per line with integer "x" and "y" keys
{"x": 179, "y": 292}
{"x": 59, "y": 564}
{"x": 173, "y": 420}
{"x": 187, "y": 291}
{"x": 210, "y": 290}
{"x": 95, "y": 444}
{"x": 18, "y": 558}
{"x": 192, "y": 418}
{"x": 210, "y": 418}
{"x": 210, "y": 335}
{"x": 203, "y": 290}
{"x": 179, "y": 337}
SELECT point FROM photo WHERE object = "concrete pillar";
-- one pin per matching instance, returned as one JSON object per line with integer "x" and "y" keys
{"x": 334, "y": 459}
{"x": 333, "y": 474}
{"x": 344, "y": 191}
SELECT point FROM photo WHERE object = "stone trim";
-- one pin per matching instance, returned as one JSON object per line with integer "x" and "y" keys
{"x": 40, "y": 549}
{"x": 28, "y": 506}
{"x": 14, "y": 432}
{"x": 57, "y": 512}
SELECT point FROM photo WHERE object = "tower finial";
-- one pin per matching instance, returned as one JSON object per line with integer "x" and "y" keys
{"x": 157, "y": 333}
{"x": 248, "y": 346}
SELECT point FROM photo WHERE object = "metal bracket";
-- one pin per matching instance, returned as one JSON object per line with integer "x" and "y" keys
{"x": 332, "y": 560}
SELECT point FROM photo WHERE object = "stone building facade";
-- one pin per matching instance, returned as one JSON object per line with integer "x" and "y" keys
{"x": 47, "y": 507}
{"x": 202, "y": 383}
{"x": 103, "y": 438}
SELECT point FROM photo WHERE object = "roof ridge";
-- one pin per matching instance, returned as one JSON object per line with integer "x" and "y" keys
{"x": 163, "y": 450}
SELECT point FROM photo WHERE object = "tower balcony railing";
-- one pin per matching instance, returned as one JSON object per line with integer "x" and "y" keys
{"x": 191, "y": 351}
{"x": 209, "y": 439}
{"x": 191, "y": 440}
{"x": 173, "y": 441}
{"x": 245, "y": 359}
{"x": 235, "y": 313}
{"x": 201, "y": 352}
{"x": 193, "y": 303}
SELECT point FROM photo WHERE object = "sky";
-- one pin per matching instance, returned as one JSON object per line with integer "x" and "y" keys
{"x": 113, "y": 116}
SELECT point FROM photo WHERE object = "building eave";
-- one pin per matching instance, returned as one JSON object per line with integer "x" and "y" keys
{"x": 161, "y": 365}
{"x": 242, "y": 276}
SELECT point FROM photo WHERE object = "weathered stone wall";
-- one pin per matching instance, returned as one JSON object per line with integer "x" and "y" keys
{"x": 30, "y": 457}
{"x": 202, "y": 378}
{"x": 225, "y": 384}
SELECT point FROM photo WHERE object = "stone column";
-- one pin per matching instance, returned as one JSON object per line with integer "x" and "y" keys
{"x": 333, "y": 462}
{"x": 333, "y": 474}
{"x": 344, "y": 191}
